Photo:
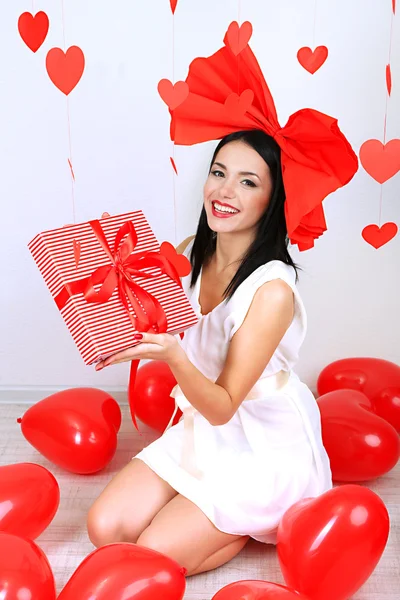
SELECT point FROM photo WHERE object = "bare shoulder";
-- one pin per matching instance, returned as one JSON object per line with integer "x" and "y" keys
{"x": 183, "y": 245}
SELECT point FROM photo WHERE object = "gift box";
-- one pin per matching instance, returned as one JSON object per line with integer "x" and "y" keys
{"x": 111, "y": 279}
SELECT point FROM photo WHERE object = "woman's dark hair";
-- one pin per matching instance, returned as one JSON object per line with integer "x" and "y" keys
{"x": 271, "y": 241}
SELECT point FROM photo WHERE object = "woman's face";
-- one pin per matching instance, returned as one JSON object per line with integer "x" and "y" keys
{"x": 237, "y": 190}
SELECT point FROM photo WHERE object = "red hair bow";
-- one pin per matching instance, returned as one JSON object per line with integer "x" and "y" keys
{"x": 228, "y": 93}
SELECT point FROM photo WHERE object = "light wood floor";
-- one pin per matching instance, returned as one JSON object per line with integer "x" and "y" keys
{"x": 66, "y": 543}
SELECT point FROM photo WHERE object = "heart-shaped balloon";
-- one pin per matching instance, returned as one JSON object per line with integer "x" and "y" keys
{"x": 329, "y": 546}
{"x": 377, "y": 378}
{"x": 126, "y": 571}
{"x": 149, "y": 396}
{"x": 75, "y": 429}
{"x": 360, "y": 444}
{"x": 25, "y": 573}
{"x": 29, "y": 499}
{"x": 256, "y": 590}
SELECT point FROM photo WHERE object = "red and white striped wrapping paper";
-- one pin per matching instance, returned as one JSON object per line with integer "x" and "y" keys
{"x": 103, "y": 329}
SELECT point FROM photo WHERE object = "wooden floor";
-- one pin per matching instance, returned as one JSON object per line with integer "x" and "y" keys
{"x": 66, "y": 543}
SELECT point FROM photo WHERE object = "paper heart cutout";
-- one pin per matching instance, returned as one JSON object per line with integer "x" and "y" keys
{"x": 379, "y": 236}
{"x": 388, "y": 79}
{"x": 239, "y": 37}
{"x": 312, "y": 60}
{"x": 173, "y": 164}
{"x": 360, "y": 444}
{"x": 377, "y": 378}
{"x": 238, "y": 105}
{"x": 173, "y": 94}
{"x": 33, "y": 29}
{"x": 77, "y": 252}
{"x": 173, "y": 5}
{"x": 318, "y": 540}
{"x": 65, "y": 69}
{"x": 180, "y": 262}
{"x": 126, "y": 571}
{"x": 75, "y": 429}
{"x": 256, "y": 590}
{"x": 381, "y": 161}
{"x": 25, "y": 572}
{"x": 29, "y": 499}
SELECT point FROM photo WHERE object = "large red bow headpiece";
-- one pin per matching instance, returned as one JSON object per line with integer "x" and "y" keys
{"x": 228, "y": 93}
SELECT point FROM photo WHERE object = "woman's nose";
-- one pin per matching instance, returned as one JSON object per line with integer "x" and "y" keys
{"x": 227, "y": 189}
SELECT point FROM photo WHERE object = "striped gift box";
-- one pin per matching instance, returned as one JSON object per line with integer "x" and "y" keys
{"x": 73, "y": 253}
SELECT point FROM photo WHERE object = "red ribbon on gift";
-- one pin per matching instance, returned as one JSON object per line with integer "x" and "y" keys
{"x": 125, "y": 265}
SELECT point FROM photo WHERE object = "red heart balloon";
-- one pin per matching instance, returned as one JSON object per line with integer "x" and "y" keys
{"x": 330, "y": 545}
{"x": 33, "y": 29}
{"x": 377, "y": 378}
{"x": 29, "y": 499}
{"x": 126, "y": 571}
{"x": 75, "y": 429}
{"x": 65, "y": 69}
{"x": 312, "y": 60}
{"x": 360, "y": 444}
{"x": 150, "y": 398}
{"x": 257, "y": 590}
{"x": 25, "y": 573}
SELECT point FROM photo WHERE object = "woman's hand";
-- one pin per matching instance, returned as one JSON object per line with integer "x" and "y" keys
{"x": 155, "y": 346}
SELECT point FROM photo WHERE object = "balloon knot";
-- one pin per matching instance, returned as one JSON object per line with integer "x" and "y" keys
{"x": 183, "y": 571}
{"x": 19, "y": 420}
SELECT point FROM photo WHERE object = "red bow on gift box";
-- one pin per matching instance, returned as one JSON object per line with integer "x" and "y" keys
{"x": 125, "y": 265}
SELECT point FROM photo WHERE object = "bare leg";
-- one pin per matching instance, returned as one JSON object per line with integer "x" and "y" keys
{"x": 128, "y": 505}
{"x": 183, "y": 532}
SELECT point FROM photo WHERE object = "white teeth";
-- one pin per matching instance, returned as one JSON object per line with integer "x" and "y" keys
{"x": 224, "y": 209}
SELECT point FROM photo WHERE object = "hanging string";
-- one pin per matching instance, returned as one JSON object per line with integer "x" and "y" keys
{"x": 173, "y": 143}
{"x": 388, "y": 93}
{"x": 315, "y": 23}
{"x": 238, "y": 56}
{"x": 70, "y": 162}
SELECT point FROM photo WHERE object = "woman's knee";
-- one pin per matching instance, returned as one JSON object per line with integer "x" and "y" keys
{"x": 104, "y": 526}
{"x": 154, "y": 539}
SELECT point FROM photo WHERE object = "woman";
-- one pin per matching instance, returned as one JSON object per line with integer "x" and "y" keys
{"x": 249, "y": 445}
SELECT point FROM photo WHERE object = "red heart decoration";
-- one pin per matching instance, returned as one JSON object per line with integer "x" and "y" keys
{"x": 360, "y": 444}
{"x": 29, "y": 497}
{"x": 77, "y": 252}
{"x": 65, "y": 69}
{"x": 330, "y": 545}
{"x": 173, "y": 94}
{"x": 238, "y": 37}
{"x": 33, "y": 29}
{"x": 173, "y": 4}
{"x": 75, "y": 429}
{"x": 173, "y": 164}
{"x": 312, "y": 61}
{"x": 379, "y": 236}
{"x": 238, "y": 105}
{"x": 126, "y": 571}
{"x": 256, "y": 590}
{"x": 377, "y": 378}
{"x": 381, "y": 161}
{"x": 388, "y": 79}
{"x": 25, "y": 573}
{"x": 180, "y": 262}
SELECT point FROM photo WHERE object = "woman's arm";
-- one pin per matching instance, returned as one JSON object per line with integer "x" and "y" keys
{"x": 250, "y": 350}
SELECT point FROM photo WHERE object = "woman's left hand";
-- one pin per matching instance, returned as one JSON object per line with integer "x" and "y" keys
{"x": 155, "y": 346}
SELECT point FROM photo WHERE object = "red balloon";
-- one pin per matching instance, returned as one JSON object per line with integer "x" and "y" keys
{"x": 25, "y": 572}
{"x": 377, "y": 378}
{"x": 150, "y": 399}
{"x": 257, "y": 590}
{"x": 330, "y": 545}
{"x": 126, "y": 571}
{"x": 29, "y": 499}
{"x": 76, "y": 429}
{"x": 360, "y": 444}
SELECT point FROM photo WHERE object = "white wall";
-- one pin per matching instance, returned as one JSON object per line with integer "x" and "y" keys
{"x": 121, "y": 149}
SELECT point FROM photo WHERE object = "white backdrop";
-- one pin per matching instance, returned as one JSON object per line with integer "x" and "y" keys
{"x": 121, "y": 148}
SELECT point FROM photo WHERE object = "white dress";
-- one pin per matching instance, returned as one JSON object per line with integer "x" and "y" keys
{"x": 245, "y": 474}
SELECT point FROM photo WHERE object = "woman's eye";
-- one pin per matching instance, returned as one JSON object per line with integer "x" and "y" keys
{"x": 217, "y": 173}
{"x": 249, "y": 182}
